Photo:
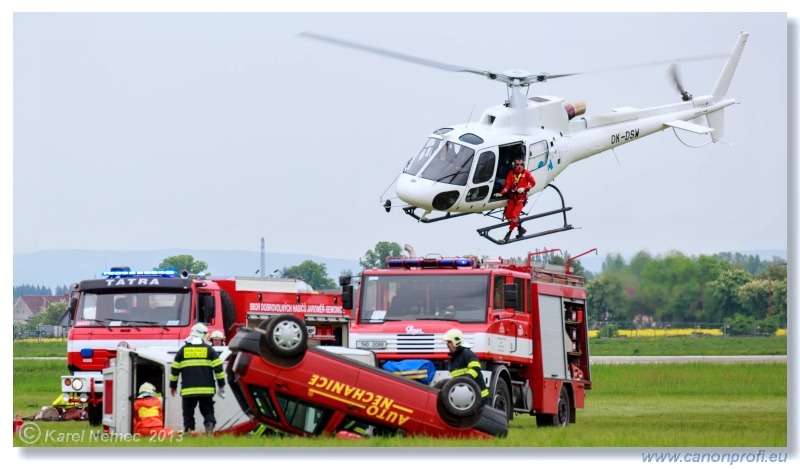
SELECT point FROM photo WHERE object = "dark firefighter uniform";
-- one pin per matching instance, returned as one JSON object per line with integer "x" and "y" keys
{"x": 200, "y": 369}
{"x": 463, "y": 362}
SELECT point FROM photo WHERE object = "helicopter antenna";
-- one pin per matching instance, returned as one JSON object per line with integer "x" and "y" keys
{"x": 470, "y": 115}
{"x": 616, "y": 158}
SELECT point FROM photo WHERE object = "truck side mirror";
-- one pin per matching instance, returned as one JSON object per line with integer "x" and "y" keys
{"x": 206, "y": 309}
{"x": 66, "y": 318}
{"x": 345, "y": 280}
{"x": 347, "y": 296}
{"x": 510, "y": 296}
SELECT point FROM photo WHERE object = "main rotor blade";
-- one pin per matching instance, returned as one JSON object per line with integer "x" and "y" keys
{"x": 696, "y": 58}
{"x": 392, "y": 54}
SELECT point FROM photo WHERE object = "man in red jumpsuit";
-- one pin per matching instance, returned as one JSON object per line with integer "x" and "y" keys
{"x": 518, "y": 182}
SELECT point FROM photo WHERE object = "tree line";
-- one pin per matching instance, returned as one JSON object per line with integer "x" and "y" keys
{"x": 656, "y": 291}
{"x": 647, "y": 291}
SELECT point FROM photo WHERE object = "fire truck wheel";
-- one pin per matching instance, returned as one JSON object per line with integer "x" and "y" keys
{"x": 287, "y": 335}
{"x": 501, "y": 399}
{"x": 461, "y": 396}
{"x": 560, "y": 419}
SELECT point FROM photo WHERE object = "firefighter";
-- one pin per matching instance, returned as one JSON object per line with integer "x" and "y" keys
{"x": 148, "y": 416}
{"x": 217, "y": 338}
{"x": 199, "y": 366}
{"x": 518, "y": 182}
{"x": 464, "y": 362}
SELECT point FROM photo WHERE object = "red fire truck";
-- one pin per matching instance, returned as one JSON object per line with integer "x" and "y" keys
{"x": 138, "y": 309}
{"x": 526, "y": 322}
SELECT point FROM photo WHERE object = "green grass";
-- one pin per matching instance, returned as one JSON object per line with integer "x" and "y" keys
{"x": 598, "y": 347}
{"x": 630, "y": 406}
{"x": 689, "y": 346}
{"x": 45, "y": 348}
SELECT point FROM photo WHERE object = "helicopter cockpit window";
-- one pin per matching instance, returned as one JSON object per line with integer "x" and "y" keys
{"x": 451, "y": 164}
{"x": 443, "y": 130}
{"x": 416, "y": 163}
{"x": 537, "y": 157}
{"x": 471, "y": 139}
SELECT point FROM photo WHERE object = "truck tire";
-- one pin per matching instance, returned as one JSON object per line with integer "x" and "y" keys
{"x": 501, "y": 399}
{"x": 287, "y": 336}
{"x": 562, "y": 417}
{"x": 228, "y": 312}
{"x": 461, "y": 396}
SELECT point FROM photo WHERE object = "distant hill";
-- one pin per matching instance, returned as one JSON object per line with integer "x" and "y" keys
{"x": 63, "y": 267}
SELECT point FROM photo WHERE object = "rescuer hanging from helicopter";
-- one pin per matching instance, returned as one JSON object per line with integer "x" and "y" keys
{"x": 518, "y": 182}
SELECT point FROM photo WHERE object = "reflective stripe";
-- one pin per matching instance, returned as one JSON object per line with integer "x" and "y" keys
{"x": 197, "y": 391}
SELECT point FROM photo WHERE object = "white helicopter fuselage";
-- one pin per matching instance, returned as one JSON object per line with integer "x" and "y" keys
{"x": 552, "y": 141}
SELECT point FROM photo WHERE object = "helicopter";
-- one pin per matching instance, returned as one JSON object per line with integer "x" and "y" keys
{"x": 461, "y": 169}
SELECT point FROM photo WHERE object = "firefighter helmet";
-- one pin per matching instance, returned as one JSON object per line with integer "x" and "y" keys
{"x": 147, "y": 388}
{"x": 216, "y": 335}
{"x": 455, "y": 336}
{"x": 199, "y": 330}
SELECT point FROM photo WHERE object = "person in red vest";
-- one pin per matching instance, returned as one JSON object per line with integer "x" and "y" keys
{"x": 148, "y": 416}
{"x": 518, "y": 182}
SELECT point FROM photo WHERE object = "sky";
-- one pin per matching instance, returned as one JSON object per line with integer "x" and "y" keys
{"x": 138, "y": 130}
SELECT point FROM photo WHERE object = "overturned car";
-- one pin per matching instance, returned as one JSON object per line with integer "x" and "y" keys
{"x": 291, "y": 387}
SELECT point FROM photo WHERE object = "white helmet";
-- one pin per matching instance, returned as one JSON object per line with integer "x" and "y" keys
{"x": 147, "y": 388}
{"x": 199, "y": 330}
{"x": 455, "y": 336}
{"x": 216, "y": 335}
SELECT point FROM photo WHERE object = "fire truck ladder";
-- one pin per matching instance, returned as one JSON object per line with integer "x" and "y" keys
{"x": 563, "y": 210}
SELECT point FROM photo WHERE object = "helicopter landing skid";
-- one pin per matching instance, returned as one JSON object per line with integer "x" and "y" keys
{"x": 485, "y": 231}
{"x": 411, "y": 211}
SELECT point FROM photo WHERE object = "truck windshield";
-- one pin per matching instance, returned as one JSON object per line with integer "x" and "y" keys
{"x": 407, "y": 297}
{"x": 142, "y": 307}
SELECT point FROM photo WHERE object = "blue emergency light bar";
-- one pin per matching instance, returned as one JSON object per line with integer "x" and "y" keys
{"x": 428, "y": 263}
{"x": 141, "y": 273}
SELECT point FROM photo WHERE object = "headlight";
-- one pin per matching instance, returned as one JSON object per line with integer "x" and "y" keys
{"x": 84, "y": 397}
{"x": 77, "y": 384}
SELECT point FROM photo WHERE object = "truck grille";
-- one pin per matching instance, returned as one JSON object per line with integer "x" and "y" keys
{"x": 415, "y": 343}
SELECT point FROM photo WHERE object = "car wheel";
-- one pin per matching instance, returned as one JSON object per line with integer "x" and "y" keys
{"x": 287, "y": 336}
{"x": 461, "y": 396}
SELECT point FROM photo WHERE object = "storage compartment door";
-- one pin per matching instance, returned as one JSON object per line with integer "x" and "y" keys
{"x": 554, "y": 357}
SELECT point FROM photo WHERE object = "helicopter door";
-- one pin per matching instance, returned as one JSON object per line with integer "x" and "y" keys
{"x": 484, "y": 172}
{"x": 538, "y": 156}
{"x": 508, "y": 153}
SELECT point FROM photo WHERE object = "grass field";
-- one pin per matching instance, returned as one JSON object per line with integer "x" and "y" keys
{"x": 598, "y": 347}
{"x": 651, "y": 406}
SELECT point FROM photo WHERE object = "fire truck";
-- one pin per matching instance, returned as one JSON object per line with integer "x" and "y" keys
{"x": 137, "y": 309}
{"x": 525, "y": 321}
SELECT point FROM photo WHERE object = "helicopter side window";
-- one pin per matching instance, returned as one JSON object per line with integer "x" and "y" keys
{"x": 538, "y": 155}
{"x": 484, "y": 171}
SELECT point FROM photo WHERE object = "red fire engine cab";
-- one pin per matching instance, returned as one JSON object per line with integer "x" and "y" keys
{"x": 526, "y": 323}
{"x": 138, "y": 309}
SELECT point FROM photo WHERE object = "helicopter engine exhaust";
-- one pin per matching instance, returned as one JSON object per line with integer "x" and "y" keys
{"x": 575, "y": 108}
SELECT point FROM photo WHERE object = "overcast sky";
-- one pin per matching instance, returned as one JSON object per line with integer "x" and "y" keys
{"x": 138, "y": 131}
{"x": 210, "y": 131}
